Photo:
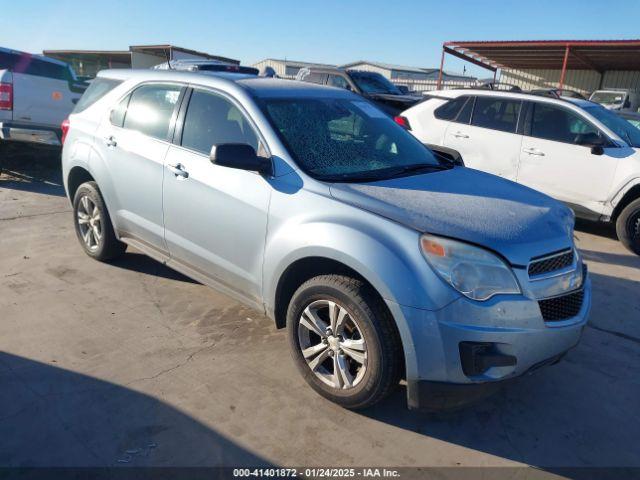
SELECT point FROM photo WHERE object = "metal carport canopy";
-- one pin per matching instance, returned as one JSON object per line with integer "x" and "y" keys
{"x": 598, "y": 55}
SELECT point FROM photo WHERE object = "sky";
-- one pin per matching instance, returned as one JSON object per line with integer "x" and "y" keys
{"x": 326, "y": 31}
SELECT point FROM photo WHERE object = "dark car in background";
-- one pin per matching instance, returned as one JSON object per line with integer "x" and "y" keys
{"x": 197, "y": 65}
{"x": 557, "y": 93}
{"x": 632, "y": 117}
{"x": 370, "y": 85}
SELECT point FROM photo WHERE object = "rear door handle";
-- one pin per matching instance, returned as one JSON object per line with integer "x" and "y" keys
{"x": 460, "y": 135}
{"x": 110, "y": 141}
{"x": 533, "y": 151}
{"x": 178, "y": 170}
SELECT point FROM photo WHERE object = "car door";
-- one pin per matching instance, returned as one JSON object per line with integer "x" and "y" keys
{"x": 490, "y": 141}
{"x": 215, "y": 217}
{"x": 556, "y": 157}
{"x": 133, "y": 142}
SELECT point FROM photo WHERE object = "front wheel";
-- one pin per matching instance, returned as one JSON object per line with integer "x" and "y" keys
{"x": 344, "y": 341}
{"x": 93, "y": 224}
{"x": 628, "y": 226}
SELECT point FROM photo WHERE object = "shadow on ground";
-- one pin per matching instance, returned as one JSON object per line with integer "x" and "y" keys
{"x": 595, "y": 386}
{"x": 138, "y": 262}
{"x": 31, "y": 168}
{"x": 56, "y": 417}
{"x": 601, "y": 229}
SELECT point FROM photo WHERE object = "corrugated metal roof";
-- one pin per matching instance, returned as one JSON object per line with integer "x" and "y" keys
{"x": 391, "y": 66}
{"x": 599, "y": 55}
{"x": 295, "y": 63}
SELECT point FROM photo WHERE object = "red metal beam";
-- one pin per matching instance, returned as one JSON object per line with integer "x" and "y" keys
{"x": 564, "y": 68}
{"x": 545, "y": 43}
{"x": 439, "y": 84}
{"x": 479, "y": 63}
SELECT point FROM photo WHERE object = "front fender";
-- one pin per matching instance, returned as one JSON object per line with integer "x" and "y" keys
{"x": 388, "y": 257}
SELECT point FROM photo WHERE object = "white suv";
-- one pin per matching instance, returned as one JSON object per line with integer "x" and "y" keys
{"x": 574, "y": 150}
{"x": 36, "y": 94}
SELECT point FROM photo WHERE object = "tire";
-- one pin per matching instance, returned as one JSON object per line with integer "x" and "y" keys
{"x": 628, "y": 226}
{"x": 93, "y": 224}
{"x": 360, "y": 365}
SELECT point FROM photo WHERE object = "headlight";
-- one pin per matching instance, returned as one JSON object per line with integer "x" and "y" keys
{"x": 473, "y": 271}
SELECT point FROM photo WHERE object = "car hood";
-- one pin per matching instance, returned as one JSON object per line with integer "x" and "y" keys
{"x": 389, "y": 97}
{"x": 515, "y": 221}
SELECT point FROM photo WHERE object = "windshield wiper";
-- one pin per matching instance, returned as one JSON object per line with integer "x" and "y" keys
{"x": 384, "y": 173}
{"x": 415, "y": 168}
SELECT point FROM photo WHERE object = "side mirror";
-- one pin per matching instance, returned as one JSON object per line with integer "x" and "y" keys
{"x": 593, "y": 140}
{"x": 448, "y": 154}
{"x": 240, "y": 156}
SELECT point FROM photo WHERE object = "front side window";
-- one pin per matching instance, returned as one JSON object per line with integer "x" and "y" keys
{"x": 496, "y": 114}
{"x": 150, "y": 110}
{"x": 338, "y": 82}
{"x": 372, "y": 83}
{"x": 551, "y": 122}
{"x": 212, "y": 120}
{"x": 341, "y": 139}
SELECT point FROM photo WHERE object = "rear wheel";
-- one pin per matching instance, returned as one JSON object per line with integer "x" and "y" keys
{"x": 628, "y": 226}
{"x": 343, "y": 341}
{"x": 93, "y": 224}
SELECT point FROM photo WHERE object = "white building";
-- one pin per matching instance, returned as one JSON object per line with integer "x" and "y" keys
{"x": 286, "y": 68}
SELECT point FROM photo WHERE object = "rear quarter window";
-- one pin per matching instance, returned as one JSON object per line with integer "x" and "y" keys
{"x": 449, "y": 110}
{"x": 42, "y": 68}
{"x": 97, "y": 89}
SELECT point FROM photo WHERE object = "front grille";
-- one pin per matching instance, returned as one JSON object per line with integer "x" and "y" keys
{"x": 561, "y": 308}
{"x": 551, "y": 264}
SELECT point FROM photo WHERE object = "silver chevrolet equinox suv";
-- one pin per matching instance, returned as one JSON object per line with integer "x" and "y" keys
{"x": 383, "y": 259}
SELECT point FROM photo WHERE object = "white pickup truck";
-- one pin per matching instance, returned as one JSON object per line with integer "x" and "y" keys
{"x": 36, "y": 94}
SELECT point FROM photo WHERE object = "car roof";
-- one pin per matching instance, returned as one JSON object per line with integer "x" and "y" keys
{"x": 263, "y": 87}
{"x": 453, "y": 93}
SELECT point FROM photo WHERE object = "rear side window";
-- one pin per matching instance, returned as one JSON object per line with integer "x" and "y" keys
{"x": 465, "y": 114}
{"x": 31, "y": 65}
{"x": 117, "y": 114}
{"x": 496, "y": 114}
{"x": 449, "y": 110}
{"x": 558, "y": 124}
{"x": 8, "y": 60}
{"x": 98, "y": 88}
{"x": 211, "y": 120}
{"x": 151, "y": 108}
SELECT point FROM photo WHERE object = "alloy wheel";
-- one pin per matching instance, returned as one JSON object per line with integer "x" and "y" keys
{"x": 89, "y": 222}
{"x": 332, "y": 344}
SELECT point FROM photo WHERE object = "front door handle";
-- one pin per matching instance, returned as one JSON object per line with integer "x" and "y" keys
{"x": 110, "y": 141}
{"x": 533, "y": 151}
{"x": 178, "y": 170}
{"x": 460, "y": 135}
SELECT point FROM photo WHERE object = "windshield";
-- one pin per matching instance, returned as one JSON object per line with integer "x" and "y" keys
{"x": 607, "y": 97}
{"x": 371, "y": 82}
{"x": 619, "y": 125}
{"x": 342, "y": 139}
{"x": 634, "y": 121}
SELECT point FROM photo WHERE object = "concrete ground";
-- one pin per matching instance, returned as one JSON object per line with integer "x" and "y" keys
{"x": 133, "y": 364}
